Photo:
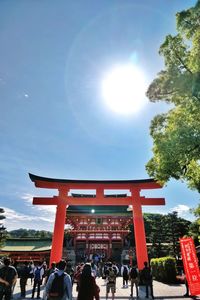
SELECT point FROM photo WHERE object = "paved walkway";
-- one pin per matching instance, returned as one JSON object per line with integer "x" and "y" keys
{"x": 161, "y": 291}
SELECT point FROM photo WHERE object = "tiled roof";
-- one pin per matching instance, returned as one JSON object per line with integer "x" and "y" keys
{"x": 26, "y": 244}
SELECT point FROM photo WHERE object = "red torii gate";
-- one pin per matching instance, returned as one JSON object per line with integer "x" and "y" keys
{"x": 63, "y": 200}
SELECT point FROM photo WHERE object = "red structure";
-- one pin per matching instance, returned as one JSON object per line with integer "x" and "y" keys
{"x": 64, "y": 198}
{"x": 101, "y": 233}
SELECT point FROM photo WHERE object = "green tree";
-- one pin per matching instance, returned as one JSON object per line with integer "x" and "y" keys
{"x": 176, "y": 134}
{"x": 195, "y": 226}
{"x": 163, "y": 232}
{"x": 176, "y": 228}
{"x": 2, "y": 228}
{"x": 31, "y": 233}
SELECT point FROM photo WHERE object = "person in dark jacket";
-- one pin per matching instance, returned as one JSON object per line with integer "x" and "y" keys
{"x": 88, "y": 289}
{"x": 24, "y": 274}
{"x": 8, "y": 277}
{"x": 147, "y": 279}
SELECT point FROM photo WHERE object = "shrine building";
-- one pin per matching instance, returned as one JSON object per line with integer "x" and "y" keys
{"x": 98, "y": 232}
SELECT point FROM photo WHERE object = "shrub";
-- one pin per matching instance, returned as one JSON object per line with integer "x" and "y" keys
{"x": 164, "y": 269}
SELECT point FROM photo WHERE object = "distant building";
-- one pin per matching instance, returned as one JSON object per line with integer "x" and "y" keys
{"x": 26, "y": 249}
{"x": 99, "y": 233}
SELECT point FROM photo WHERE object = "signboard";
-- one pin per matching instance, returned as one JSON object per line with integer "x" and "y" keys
{"x": 190, "y": 263}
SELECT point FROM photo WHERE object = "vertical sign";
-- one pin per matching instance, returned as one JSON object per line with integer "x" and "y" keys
{"x": 190, "y": 263}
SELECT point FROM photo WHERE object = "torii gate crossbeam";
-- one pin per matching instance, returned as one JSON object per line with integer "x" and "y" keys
{"x": 62, "y": 200}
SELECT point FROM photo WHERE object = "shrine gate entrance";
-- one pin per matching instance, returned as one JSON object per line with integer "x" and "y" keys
{"x": 101, "y": 187}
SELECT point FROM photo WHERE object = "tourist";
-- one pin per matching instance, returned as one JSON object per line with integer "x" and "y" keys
{"x": 38, "y": 273}
{"x": 32, "y": 267}
{"x": 44, "y": 265}
{"x": 59, "y": 284}
{"x": 24, "y": 274}
{"x": 111, "y": 274}
{"x": 8, "y": 278}
{"x": 147, "y": 279}
{"x": 88, "y": 289}
{"x": 134, "y": 279}
{"x": 77, "y": 275}
{"x": 70, "y": 271}
{"x": 50, "y": 271}
{"x": 125, "y": 275}
{"x": 116, "y": 268}
{"x": 94, "y": 269}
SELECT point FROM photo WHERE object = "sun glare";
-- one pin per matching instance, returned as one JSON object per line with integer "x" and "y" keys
{"x": 123, "y": 89}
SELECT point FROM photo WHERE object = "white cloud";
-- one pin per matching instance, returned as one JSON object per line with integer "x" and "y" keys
{"x": 182, "y": 210}
{"x": 44, "y": 208}
{"x": 15, "y": 220}
{"x": 11, "y": 214}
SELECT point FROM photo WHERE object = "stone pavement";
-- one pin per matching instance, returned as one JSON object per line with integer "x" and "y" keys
{"x": 161, "y": 291}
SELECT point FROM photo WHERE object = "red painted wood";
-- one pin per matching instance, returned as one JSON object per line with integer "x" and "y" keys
{"x": 63, "y": 186}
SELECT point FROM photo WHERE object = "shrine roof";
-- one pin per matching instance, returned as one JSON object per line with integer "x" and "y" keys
{"x": 26, "y": 244}
{"x": 55, "y": 183}
{"x": 39, "y": 178}
{"x": 120, "y": 210}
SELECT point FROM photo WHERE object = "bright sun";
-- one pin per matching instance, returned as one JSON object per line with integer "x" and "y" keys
{"x": 123, "y": 89}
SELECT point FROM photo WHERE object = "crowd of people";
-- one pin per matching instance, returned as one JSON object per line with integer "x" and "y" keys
{"x": 59, "y": 279}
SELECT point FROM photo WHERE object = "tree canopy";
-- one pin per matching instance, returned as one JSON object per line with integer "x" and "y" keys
{"x": 195, "y": 226}
{"x": 176, "y": 134}
{"x": 31, "y": 233}
{"x": 163, "y": 233}
{"x": 2, "y": 228}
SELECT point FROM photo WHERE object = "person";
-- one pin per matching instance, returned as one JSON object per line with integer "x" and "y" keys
{"x": 116, "y": 268}
{"x": 24, "y": 273}
{"x": 77, "y": 275}
{"x": 44, "y": 265}
{"x": 125, "y": 275}
{"x": 111, "y": 274}
{"x": 134, "y": 279}
{"x": 8, "y": 278}
{"x": 70, "y": 271}
{"x": 88, "y": 289}
{"x": 38, "y": 273}
{"x": 31, "y": 267}
{"x": 94, "y": 269}
{"x": 187, "y": 294}
{"x": 59, "y": 286}
{"x": 50, "y": 271}
{"x": 147, "y": 279}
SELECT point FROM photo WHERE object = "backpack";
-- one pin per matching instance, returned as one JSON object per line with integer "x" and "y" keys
{"x": 37, "y": 274}
{"x": 133, "y": 273}
{"x": 57, "y": 286}
{"x": 125, "y": 272}
{"x": 111, "y": 275}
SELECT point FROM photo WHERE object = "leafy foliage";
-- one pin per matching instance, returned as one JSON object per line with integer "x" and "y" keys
{"x": 176, "y": 134}
{"x": 163, "y": 232}
{"x": 165, "y": 229}
{"x": 2, "y": 228}
{"x": 164, "y": 269}
{"x": 30, "y": 233}
{"x": 195, "y": 226}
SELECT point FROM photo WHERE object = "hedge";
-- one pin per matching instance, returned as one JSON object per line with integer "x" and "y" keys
{"x": 164, "y": 269}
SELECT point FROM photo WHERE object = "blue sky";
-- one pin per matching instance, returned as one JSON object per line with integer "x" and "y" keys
{"x": 54, "y": 121}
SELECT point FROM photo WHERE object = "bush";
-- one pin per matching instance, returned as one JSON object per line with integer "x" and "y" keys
{"x": 164, "y": 269}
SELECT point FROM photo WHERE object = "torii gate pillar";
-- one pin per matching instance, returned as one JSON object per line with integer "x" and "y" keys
{"x": 139, "y": 230}
{"x": 59, "y": 225}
